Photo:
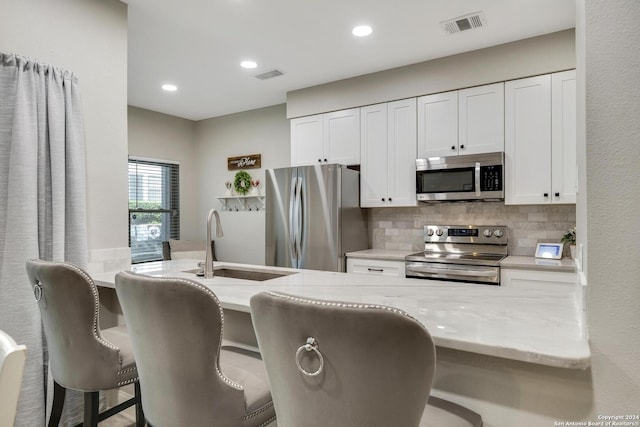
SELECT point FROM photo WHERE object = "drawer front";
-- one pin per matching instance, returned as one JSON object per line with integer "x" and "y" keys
{"x": 536, "y": 279}
{"x": 375, "y": 267}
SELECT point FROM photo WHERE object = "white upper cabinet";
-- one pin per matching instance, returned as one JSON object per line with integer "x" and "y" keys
{"x": 540, "y": 156}
{"x": 481, "y": 119}
{"x": 388, "y": 153}
{"x": 373, "y": 149}
{"x": 342, "y": 136}
{"x": 307, "y": 140}
{"x": 528, "y": 140}
{"x": 466, "y": 121}
{"x": 438, "y": 125}
{"x": 564, "y": 175}
{"x": 326, "y": 138}
{"x": 402, "y": 152}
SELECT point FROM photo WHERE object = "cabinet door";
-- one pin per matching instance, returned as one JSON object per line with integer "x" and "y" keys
{"x": 401, "y": 152}
{"x": 307, "y": 140}
{"x": 481, "y": 119}
{"x": 373, "y": 149}
{"x": 528, "y": 141}
{"x": 438, "y": 125}
{"x": 563, "y": 137}
{"x": 342, "y": 137}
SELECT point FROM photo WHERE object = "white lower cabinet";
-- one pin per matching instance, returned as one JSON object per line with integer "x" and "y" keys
{"x": 377, "y": 267}
{"x": 536, "y": 279}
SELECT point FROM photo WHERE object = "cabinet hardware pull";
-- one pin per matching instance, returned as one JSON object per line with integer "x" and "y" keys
{"x": 557, "y": 194}
{"x": 325, "y": 160}
{"x": 462, "y": 147}
{"x": 546, "y": 194}
{"x": 453, "y": 147}
{"x": 389, "y": 198}
{"x": 380, "y": 270}
{"x": 320, "y": 160}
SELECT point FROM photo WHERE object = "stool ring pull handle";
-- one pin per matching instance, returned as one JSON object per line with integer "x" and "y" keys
{"x": 37, "y": 291}
{"x": 311, "y": 345}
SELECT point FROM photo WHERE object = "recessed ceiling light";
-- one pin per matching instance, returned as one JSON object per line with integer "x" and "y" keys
{"x": 169, "y": 87}
{"x": 362, "y": 31}
{"x": 248, "y": 64}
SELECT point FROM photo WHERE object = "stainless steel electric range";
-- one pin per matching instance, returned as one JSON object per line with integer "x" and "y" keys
{"x": 462, "y": 253}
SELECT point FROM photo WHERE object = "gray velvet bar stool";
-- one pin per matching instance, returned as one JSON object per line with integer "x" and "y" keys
{"x": 341, "y": 364}
{"x": 187, "y": 377}
{"x": 81, "y": 356}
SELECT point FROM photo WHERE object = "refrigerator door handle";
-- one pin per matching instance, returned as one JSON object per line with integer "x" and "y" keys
{"x": 292, "y": 221}
{"x": 299, "y": 221}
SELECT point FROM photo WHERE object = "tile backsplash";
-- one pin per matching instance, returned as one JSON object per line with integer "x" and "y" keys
{"x": 402, "y": 228}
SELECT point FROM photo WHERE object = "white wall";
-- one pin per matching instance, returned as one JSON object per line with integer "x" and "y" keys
{"x": 89, "y": 38}
{"x": 163, "y": 137}
{"x": 581, "y": 151}
{"x": 609, "y": 46}
{"x": 523, "y": 58}
{"x": 264, "y": 131}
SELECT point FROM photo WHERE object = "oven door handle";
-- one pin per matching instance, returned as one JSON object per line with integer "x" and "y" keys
{"x": 457, "y": 271}
{"x": 478, "y": 189}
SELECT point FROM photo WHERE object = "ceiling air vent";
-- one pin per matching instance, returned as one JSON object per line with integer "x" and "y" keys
{"x": 269, "y": 74}
{"x": 463, "y": 23}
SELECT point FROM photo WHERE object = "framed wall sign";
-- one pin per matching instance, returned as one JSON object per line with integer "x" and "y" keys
{"x": 249, "y": 161}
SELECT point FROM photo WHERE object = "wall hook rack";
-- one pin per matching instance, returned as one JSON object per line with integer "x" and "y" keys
{"x": 242, "y": 203}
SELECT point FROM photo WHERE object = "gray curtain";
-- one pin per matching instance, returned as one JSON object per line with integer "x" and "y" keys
{"x": 42, "y": 202}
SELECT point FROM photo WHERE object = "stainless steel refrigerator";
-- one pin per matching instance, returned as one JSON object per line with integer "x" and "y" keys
{"x": 313, "y": 217}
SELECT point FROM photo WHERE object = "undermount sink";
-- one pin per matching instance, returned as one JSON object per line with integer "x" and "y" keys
{"x": 236, "y": 273}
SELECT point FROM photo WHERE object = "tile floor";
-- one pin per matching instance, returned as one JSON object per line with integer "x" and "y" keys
{"x": 118, "y": 420}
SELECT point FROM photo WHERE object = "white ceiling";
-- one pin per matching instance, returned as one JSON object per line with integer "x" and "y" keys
{"x": 198, "y": 44}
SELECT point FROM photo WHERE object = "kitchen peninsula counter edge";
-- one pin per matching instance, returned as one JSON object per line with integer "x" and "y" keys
{"x": 546, "y": 327}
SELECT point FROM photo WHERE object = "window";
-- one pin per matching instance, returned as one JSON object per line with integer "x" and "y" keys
{"x": 154, "y": 207}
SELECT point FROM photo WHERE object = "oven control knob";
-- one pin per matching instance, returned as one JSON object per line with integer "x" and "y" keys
{"x": 487, "y": 233}
{"x": 498, "y": 233}
{"x": 439, "y": 232}
{"x": 430, "y": 232}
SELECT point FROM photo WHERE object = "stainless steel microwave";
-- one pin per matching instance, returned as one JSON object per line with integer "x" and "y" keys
{"x": 467, "y": 177}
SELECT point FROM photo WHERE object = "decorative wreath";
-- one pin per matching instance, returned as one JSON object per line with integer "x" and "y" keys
{"x": 242, "y": 183}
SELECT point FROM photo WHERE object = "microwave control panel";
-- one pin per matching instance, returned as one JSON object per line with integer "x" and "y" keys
{"x": 491, "y": 178}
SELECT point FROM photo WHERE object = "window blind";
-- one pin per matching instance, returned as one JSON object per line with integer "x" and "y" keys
{"x": 154, "y": 207}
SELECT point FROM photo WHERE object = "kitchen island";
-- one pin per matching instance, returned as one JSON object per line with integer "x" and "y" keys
{"x": 545, "y": 327}
{"x": 508, "y": 354}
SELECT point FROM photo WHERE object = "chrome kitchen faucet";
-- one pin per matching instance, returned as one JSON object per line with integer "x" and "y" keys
{"x": 208, "y": 259}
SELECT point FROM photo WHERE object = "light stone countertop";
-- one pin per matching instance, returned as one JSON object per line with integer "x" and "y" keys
{"x": 540, "y": 326}
{"x": 516, "y": 262}
{"x": 385, "y": 254}
{"x": 531, "y": 263}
